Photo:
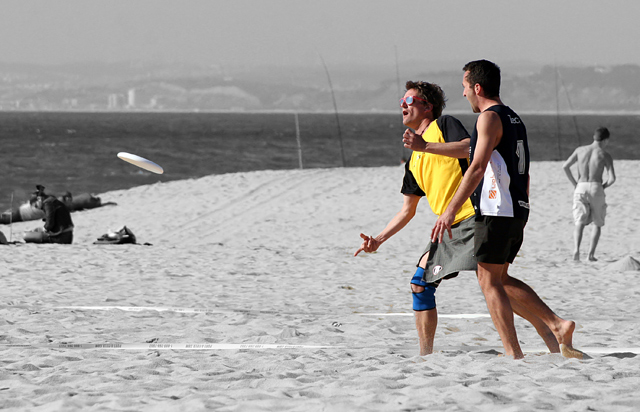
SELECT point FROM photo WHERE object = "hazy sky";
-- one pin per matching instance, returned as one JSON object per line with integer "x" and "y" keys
{"x": 295, "y": 32}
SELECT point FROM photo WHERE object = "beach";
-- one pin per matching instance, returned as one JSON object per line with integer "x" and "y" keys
{"x": 243, "y": 294}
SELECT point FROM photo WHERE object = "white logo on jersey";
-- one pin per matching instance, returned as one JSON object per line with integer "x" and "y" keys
{"x": 437, "y": 269}
{"x": 514, "y": 120}
{"x": 524, "y": 204}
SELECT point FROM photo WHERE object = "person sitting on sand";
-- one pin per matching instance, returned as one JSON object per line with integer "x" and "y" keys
{"x": 588, "y": 198}
{"x": 58, "y": 227}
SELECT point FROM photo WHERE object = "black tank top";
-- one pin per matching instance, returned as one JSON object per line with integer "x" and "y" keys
{"x": 503, "y": 190}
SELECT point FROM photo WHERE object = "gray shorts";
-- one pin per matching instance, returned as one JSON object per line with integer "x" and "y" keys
{"x": 453, "y": 255}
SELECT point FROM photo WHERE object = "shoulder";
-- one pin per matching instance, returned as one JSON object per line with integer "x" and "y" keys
{"x": 580, "y": 150}
{"x": 490, "y": 114}
{"x": 608, "y": 157}
{"x": 452, "y": 128}
{"x": 574, "y": 154}
{"x": 489, "y": 120}
{"x": 448, "y": 120}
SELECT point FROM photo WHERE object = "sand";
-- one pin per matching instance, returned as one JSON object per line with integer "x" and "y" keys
{"x": 265, "y": 258}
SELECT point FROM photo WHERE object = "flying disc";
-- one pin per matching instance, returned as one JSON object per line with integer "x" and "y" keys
{"x": 141, "y": 162}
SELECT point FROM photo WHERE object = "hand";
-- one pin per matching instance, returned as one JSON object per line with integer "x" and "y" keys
{"x": 414, "y": 141}
{"x": 369, "y": 245}
{"x": 444, "y": 222}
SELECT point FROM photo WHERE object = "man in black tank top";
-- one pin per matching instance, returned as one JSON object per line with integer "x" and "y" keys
{"x": 498, "y": 182}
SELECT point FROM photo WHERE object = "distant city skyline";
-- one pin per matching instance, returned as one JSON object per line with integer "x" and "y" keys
{"x": 297, "y": 33}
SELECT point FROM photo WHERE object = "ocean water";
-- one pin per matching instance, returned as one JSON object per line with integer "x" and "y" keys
{"x": 76, "y": 152}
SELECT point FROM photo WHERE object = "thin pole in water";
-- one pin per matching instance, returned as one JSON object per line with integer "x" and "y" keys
{"x": 298, "y": 139}
{"x": 573, "y": 116}
{"x": 400, "y": 94}
{"x": 335, "y": 108}
{"x": 11, "y": 220}
{"x": 558, "y": 113}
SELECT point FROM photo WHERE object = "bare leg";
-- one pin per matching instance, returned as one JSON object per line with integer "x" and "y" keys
{"x": 577, "y": 239}
{"x": 426, "y": 323}
{"x": 595, "y": 236}
{"x": 528, "y": 301}
{"x": 490, "y": 277}
{"x": 426, "y": 320}
{"x": 543, "y": 330}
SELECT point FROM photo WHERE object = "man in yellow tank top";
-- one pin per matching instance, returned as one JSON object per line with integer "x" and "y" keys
{"x": 435, "y": 169}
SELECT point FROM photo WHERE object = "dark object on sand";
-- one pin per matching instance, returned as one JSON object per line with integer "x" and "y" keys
{"x": 121, "y": 237}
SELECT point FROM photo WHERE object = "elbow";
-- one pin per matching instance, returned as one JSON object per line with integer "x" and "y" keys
{"x": 476, "y": 172}
{"x": 409, "y": 214}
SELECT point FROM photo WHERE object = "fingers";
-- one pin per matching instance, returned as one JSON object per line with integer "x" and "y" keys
{"x": 407, "y": 138}
{"x": 438, "y": 231}
{"x": 365, "y": 244}
{"x": 369, "y": 245}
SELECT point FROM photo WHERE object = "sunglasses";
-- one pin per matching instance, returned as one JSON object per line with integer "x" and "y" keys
{"x": 410, "y": 99}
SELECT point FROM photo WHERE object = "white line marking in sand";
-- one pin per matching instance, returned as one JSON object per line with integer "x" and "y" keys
{"x": 180, "y": 310}
{"x": 453, "y": 316}
{"x": 203, "y": 310}
{"x": 249, "y": 346}
{"x": 536, "y": 349}
{"x": 165, "y": 346}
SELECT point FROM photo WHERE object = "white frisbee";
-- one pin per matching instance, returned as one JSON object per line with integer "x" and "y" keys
{"x": 141, "y": 162}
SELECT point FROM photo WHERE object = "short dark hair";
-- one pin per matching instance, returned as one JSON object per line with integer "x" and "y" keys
{"x": 432, "y": 93}
{"x": 601, "y": 133}
{"x": 486, "y": 74}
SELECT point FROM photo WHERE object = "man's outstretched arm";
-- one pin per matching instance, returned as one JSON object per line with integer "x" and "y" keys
{"x": 400, "y": 220}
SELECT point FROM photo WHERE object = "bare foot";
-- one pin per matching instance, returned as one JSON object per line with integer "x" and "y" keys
{"x": 565, "y": 339}
{"x": 592, "y": 258}
{"x": 571, "y": 352}
{"x": 576, "y": 256}
{"x": 565, "y": 333}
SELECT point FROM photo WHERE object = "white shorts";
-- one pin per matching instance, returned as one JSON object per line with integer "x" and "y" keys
{"x": 589, "y": 204}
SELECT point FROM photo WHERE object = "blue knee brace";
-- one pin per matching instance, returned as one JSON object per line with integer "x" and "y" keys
{"x": 426, "y": 299}
{"x": 417, "y": 278}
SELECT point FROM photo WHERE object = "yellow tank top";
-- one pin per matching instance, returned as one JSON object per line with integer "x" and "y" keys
{"x": 439, "y": 176}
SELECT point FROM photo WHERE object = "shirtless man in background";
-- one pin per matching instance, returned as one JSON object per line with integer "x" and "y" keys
{"x": 588, "y": 199}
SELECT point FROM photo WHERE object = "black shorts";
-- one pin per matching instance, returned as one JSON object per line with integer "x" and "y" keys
{"x": 498, "y": 239}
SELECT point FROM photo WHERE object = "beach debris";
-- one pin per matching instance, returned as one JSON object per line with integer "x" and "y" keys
{"x": 121, "y": 237}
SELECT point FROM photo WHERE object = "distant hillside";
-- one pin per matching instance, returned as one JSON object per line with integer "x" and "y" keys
{"x": 96, "y": 87}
